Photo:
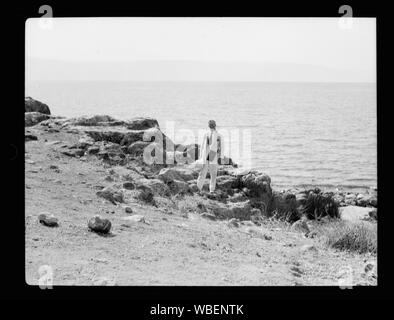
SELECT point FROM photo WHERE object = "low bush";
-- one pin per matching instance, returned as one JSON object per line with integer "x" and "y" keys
{"x": 355, "y": 237}
{"x": 283, "y": 207}
{"x": 317, "y": 205}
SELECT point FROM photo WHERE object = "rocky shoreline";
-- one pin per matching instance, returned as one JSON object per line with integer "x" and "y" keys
{"x": 241, "y": 194}
{"x": 90, "y": 197}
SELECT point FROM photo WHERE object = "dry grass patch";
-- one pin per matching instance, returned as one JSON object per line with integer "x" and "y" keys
{"x": 360, "y": 237}
{"x": 192, "y": 203}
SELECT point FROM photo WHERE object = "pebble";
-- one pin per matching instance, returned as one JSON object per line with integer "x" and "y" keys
{"x": 128, "y": 210}
{"x": 267, "y": 237}
{"x": 369, "y": 267}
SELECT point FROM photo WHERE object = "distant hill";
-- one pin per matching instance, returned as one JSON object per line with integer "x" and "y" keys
{"x": 39, "y": 69}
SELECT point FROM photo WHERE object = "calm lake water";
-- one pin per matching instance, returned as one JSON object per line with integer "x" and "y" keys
{"x": 301, "y": 133}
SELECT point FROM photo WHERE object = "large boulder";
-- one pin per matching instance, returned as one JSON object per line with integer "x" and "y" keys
{"x": 258, "y": 185}
{"x": 33, "y": 118}
{"x": 32, "y": 105}
{"x": 176, "y": 173}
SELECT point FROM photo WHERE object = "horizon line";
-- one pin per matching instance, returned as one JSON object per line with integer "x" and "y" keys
{"x": 181, "y": 81}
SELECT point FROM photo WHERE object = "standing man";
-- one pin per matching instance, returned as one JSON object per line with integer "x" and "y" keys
{"x": 211, "y": 151}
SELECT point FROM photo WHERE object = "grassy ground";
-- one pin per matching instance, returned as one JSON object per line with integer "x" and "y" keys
{"x": 175, "y": 245}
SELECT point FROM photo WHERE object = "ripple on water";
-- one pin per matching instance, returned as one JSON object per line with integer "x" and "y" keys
{"x": 300, "y": 129}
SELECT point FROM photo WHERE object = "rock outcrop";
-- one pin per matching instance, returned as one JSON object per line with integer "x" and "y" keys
{"x": 175, "y": 173}
{"x": 240, "y": 193}
{"x": 141, "y": 123}
{"x": 155, "y": 186}
{"x": 239, "y": 210}
{"x": 32, "y": 105}
{"x": 33, "y": 118}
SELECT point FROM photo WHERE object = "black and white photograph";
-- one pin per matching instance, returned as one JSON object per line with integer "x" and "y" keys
{"x": 200, "y": 151}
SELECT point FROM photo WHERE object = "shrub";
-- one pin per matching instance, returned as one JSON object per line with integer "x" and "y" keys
{"x": 356, "y": 237}
{"x": 318, "y": 205}
{"x": 283, "y": 207}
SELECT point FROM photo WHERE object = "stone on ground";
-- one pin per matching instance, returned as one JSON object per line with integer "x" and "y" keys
{"x": 128, "y": 209}
{"x": 111, "y": 194}
{"x": 48, "y": 220}
{"x": 30, "y": 137}
{"x": 100, "y": 225}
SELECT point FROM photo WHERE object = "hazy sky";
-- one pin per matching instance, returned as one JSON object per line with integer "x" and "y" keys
{"x": 254, "y": 49}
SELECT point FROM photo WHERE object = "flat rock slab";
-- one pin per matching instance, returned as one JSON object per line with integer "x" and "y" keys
{"x": 354, "y": 213}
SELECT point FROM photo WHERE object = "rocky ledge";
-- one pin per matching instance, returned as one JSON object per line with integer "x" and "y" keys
{"x": 241, "y": 194}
